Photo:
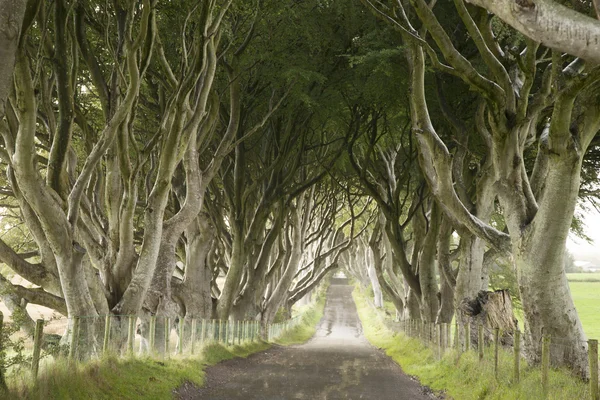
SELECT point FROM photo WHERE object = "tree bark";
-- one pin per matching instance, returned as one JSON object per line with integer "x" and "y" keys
{"x": 12, "y": 13}
{"x": 427, "y": 279}
{"x": 550, "y": 23}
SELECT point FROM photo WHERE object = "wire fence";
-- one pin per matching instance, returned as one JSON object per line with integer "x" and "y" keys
{"x": 489, "y": 342}
{"x": 87, "y": 338}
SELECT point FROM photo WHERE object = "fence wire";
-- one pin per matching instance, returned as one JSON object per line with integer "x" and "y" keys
{"x": 84, "y": 338}
{"x": 488, "y": 343}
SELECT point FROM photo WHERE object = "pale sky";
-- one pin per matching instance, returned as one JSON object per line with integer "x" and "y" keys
{"x": 581, "y": 250}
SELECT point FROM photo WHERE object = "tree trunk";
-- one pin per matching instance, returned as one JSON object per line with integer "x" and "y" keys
{"x": 11, "y": 19}
{"x": 377, "y": 293}
{"x": 471, "y": 278}
{"x": 429, "y": 287}
{"x": 279, "y": 295}
{"x": 539, "y": 256}
{"x": 197, "y": 281}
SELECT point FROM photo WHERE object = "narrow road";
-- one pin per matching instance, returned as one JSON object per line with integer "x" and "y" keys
{"x": 337, "y": 363}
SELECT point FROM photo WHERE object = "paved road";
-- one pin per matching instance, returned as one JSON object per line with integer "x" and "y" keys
{"x": 337, "y": 363}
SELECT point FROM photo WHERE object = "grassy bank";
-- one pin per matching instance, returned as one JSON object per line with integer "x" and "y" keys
{"x": 468, "y": 378}
{"x": 145, "y": 378}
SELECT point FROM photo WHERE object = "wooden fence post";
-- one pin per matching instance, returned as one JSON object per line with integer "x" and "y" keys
{"x": 193, "y": 336}
{"x": 167, "y": 335}
{"x": 496, "y": 343}
{"x": 593, "y": 356}
{"x": 131, "y": 335}
{"x": 517, "y": 355}
{"x": 456, "y": 338}
{"x": 480, "y": 341}
{"x": 106, "y": 341}
{"x": 467, "y": 336}
{"x": 180, "y": 336}
{"x": 227, "y": 331}
{"x": 431, "y": 332}
{"x": 2, "y": 360}
{"x": 37, "y": 347}
{"x": 441, "y": 339}
{"x": 545, "y": 364}
{"x": 74, "y": 337}
{"x": 152, "y": 334}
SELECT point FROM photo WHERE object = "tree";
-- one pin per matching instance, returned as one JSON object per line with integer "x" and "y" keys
{"x": 12, "y": 13}
{"x": 552, "y": 24}
{"x": 539, "y": 203}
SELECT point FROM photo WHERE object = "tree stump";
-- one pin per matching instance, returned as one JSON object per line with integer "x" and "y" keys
{"x": 492, "y": 310}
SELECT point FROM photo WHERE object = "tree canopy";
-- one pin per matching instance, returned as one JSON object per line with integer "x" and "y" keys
{"x": 219, "y": 158}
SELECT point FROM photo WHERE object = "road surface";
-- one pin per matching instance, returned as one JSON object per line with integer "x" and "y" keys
{"x": 337, "y": 363}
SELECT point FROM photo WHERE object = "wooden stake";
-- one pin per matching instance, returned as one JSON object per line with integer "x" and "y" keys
{"x": 440, "y": 339}
{"x": 74, "y": 337}
{"x": 517, "y": 355}
{"x": 152, "y": 334}
{"x": 193, "y": 336}
{"x": 2, "y": 377}
{"x": 480, "y": 341}
{"x": 545, "y": 364}
{"x": 593, "y": 356}
{"x": 456, "y": 340}
{"x": 131, "y": 335}
{"x": 167, "y": 335}
{"x": 180, "y": 336}
{"x": 496, "y": 347}
{"x": 106, "y": 342}
{"x": 467, "y": 336}
{"x": 37, "y": 347}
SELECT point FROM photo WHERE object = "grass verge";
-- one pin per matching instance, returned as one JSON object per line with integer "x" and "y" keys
{"x": 145, "y": 378}
{"x": 305, "y": 329}
{"x": 466, "y": 378}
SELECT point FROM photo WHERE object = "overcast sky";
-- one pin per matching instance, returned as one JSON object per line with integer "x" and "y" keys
{"x": 581, "y": 250}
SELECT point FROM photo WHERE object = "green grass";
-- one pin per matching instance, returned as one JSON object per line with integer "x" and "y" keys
{"x": 144, "y": 378}
{"x": 585, "y": 289}
{"x": 113, "y": 378}
{"x": 586, "y": 296}
{"x": 307, "y": 328}
{"x": 467, "y": 378}
{"x": 584, "y": 277}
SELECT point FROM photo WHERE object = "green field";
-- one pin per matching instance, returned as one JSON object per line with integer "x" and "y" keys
{"x": 587, "y": 301}
{"x": 585, "y": 289}
{"x": 584, "y": 277}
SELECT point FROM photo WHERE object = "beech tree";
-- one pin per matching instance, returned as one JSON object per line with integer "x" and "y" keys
{"x": 517, "y": 111}
{"x": 12, "y": 14}
{"x": 552, "y": 24}
{"x": 85, "y": 122}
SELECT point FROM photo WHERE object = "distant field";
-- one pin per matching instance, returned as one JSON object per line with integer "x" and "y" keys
{"x": 585, "y": 289}
{"x": 584, "y": 277}
{"x": 587, "y": 301}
